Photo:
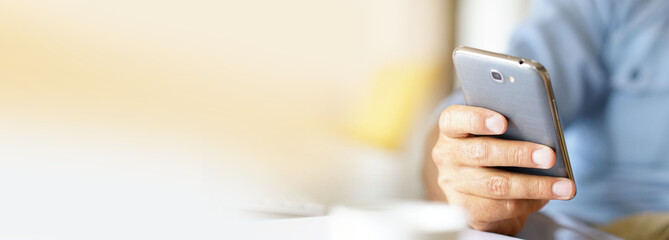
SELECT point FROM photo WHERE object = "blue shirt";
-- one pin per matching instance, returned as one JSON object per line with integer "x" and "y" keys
{"x": 609, "y": 66}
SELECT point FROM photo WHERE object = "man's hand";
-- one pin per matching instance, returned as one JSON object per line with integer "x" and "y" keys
{"x": 497, "y": 200}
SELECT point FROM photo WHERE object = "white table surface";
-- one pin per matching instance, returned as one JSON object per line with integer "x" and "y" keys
{"x": 539, "y": 226}
{"x": 318, "y": 228}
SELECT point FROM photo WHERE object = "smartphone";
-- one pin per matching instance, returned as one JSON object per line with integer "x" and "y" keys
{"x": 520, "y": 89}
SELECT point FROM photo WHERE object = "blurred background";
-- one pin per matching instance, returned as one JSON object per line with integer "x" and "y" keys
{"x": 145, "y": 114}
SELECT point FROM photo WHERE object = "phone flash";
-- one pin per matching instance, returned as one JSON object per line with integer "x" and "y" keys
{"x": 512, "y": 79}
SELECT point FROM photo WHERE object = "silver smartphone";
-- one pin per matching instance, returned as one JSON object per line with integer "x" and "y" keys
{"x": 520, "y": 89}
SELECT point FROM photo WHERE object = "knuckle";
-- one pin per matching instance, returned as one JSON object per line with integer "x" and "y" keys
{"x": 479, "y": 152}
{"x": 440, "y": 154}
{"x": 542, "y": 188}
{"x": 445, "y": 121}
{"x": 472, "y": 120}
{"x": 456, "y": 117}
{"x": 456, "y": 200}
{"x": 445, "y": 182}
{"x": 513, "y": 206}
{"x": 519, "y": 155}
{"x": 498, "y": 186}
{"x": 437, "y": 155}
{"x": 450, "y": 177}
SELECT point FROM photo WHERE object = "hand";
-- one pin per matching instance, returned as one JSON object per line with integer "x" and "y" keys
{"x": 497, "y": 201}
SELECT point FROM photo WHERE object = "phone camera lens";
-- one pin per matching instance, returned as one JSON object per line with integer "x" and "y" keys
{"x": 496, "y": 76}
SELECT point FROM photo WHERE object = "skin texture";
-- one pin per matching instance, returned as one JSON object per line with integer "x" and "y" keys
{"x": 459, "y": 170}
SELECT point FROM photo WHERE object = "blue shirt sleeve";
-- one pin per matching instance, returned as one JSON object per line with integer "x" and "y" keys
{"x": 567, "y": 36}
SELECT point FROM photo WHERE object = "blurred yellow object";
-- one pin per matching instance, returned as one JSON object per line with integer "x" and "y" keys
{"x": 385, "y": 115}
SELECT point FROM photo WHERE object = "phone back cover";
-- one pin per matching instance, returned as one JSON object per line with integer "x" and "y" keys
{"x": 526, "y": 103}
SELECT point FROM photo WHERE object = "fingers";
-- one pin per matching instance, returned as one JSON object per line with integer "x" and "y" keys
{"x": 499, "y": 184}
{"x": 461, "y": 121}
{"x": 493, "y": 152}
{"x": 458, "y": 122}
{"x": 490, "y": 210}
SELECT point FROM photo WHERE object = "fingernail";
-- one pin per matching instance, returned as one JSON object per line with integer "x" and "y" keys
{"x": 562, "y": 188}
{"x": 495, "y": 124}
{"x": 542, "y": 157}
